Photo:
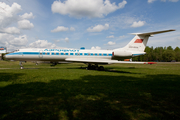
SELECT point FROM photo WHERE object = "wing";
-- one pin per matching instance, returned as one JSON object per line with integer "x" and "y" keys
{"x": 104, "y": 61}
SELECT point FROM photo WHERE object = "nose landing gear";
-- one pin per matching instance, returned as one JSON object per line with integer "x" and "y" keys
{"x": 20, "y": 63}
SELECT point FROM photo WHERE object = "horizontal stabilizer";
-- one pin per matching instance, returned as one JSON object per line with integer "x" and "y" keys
{"x": 152, "y": 33}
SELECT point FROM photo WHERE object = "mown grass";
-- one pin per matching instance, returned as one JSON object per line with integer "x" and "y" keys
{"x": 122, "y": 91}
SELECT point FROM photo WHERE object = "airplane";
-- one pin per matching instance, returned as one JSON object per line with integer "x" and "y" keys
{"x": 92, "y": 58}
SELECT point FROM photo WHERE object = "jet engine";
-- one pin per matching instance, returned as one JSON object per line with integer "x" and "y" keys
{"x": 122, "y": 54}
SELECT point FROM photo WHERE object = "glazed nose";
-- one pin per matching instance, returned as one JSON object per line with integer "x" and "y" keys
{"x": 4, "y": 57}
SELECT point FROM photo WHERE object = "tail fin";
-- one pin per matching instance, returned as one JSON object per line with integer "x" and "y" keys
{"x": 138, "y": 43}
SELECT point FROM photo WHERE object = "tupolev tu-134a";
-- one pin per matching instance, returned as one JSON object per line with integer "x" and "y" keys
{"x": 93, "y": 58}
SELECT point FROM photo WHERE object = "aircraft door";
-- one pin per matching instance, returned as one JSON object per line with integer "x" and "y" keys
{"x": 41, "y": 54}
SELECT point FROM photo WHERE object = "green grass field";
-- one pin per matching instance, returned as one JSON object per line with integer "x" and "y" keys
{"x": 66, "y": 92}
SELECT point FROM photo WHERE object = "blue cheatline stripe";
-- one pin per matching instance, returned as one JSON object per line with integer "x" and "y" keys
{"x": 46, "y": 53}
{"x": 77, "y": 54}
{"x": 30, "y": 53}
{"x": 137, "y": 54}
{"x": 18, "y": 53}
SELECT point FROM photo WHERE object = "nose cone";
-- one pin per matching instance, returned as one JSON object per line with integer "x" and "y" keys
{"x": 4, "y": 57}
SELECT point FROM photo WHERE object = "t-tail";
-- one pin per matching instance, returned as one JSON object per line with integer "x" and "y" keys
{"x": 137, "y": 45}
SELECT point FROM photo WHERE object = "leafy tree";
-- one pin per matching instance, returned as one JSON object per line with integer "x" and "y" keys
{"x": 169, "y": 48}
{"x": 177, "y": 53}
{"x": 169, "y": 55}
{"x": 160, "y": 54}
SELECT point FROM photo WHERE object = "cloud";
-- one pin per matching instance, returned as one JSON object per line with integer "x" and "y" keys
{"x": 9, "y": 16}
{"x": 111, "y": 43}
{"x": 138, "y": 24}
{"x": 98, "y": 28}
{"x": 25, "y": 24}
{"x": 10, "y": 30}
{"x": 95, "y": 48}
{"x": 8, "y": 13}
{"x": 63, "y": 39}
{"x": 121, "y": 37}
{"x": 20, "y": 41}
{"x": 12, "y": 42}
{"x": 151, "y": 1}
{"x": 72, "y": 29}
{"x": 66, "y": 39}
{"x": 173, "y": 0}
{"x": 86, "y": 8}
{"x": 112, "y": 36}
{"x": 42, "y": 44}
{"x": 121, "y": 21}
{"x": 27, "y": 16}
{"x": 63, "y": 29}
{"x": 60, "y": 29}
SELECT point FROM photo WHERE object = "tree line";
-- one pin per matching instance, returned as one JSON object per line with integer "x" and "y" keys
{"x": 160, "y": 54}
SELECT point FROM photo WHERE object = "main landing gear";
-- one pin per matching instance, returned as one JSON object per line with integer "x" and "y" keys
{"x": 95, "y": 67}
{"x": 54, "y": 64}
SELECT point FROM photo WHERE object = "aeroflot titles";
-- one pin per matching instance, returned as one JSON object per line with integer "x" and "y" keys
{"x": 63, "y": 50}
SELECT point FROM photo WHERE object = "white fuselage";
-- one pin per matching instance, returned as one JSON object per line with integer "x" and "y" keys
{"x": 64, "y": 54}
{"x": 58, "y": 54}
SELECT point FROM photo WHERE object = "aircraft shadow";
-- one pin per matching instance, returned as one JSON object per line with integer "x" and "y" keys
{"x": 100, "y": 97}
{"x": 10, "y": 77}
{"x": 108, "y": 70}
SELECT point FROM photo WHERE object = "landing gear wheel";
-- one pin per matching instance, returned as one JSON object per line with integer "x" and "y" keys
{"x": 20, "y": 63}
{"x": 89, "y": 67}
{"x": 101, "y": 68}
{"x": 93, "y": 67}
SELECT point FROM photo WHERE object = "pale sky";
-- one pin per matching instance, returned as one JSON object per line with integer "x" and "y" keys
{"x": 93, "y": 24}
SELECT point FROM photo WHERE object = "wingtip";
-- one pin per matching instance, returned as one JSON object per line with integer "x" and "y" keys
{"x": 173, "y": 29}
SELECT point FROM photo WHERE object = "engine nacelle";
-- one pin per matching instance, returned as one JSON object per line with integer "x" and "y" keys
{"x": 122, "y": 54}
